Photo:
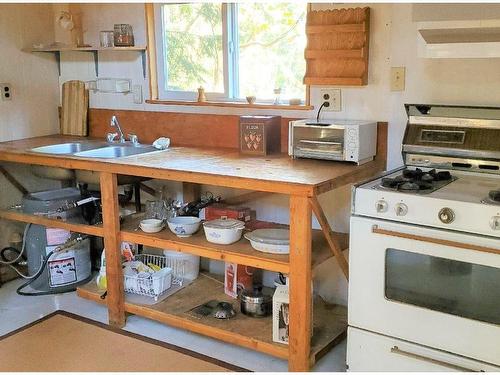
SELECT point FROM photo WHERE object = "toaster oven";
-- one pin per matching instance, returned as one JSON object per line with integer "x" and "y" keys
{"x": 340, "y": 140}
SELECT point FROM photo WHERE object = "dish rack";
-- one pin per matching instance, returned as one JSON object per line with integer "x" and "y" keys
{"x": 172, "y": 273}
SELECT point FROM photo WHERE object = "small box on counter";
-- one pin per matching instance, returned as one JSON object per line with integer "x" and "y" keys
{"x": 260, "y": 135}
{"x": 237, "y": 277}
{"x": 281, "y": 313}
{"x": 222, "y": 211}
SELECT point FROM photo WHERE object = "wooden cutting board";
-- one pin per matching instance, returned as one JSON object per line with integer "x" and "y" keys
{"x": 75, "y": 104}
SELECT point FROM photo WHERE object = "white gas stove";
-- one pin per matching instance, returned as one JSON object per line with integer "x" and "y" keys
{"x": 424, "y": 256}
{"x": 464, "y": 201}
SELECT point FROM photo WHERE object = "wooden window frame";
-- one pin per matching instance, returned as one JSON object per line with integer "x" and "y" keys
{"x": 154, "y": 83}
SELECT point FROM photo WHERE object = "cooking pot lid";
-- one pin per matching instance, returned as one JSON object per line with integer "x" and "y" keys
{"x": 255, "y": 296}
{"x": 224, "y": 224}
{"x": 270, "y": 236}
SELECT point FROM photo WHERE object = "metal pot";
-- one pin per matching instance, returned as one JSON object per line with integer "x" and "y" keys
{"x": 255, "y": 303}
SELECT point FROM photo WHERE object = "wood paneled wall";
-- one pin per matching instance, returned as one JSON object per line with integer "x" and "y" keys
{"x": 184, "y": 129}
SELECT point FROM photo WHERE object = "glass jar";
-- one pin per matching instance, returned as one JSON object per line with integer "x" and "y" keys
{"x": 123, "y": 35}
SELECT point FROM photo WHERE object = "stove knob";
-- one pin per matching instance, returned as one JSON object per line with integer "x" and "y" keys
{"x": 401, "y": 209}
{"x": 495, "y": 223}
{"x": 446, "y": 215}
{"x": 381, "y": 206}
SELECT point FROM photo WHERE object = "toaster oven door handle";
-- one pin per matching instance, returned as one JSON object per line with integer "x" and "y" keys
{"x": 437, "y": 241}
{"x": 423, "y": 358}
{"x": 320, "y": 142}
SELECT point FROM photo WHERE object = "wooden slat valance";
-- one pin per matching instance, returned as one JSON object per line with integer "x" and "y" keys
{"x": 337, "y": 47}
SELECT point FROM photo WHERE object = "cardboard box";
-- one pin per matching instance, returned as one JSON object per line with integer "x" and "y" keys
{"x": 237, "y": 277}
{"x": 281, "y": 300}
{"x": 222, "y": 211}
{"x": 280, "y": 314}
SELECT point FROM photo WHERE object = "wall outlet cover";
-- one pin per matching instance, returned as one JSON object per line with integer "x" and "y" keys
{"x": 6, "y": 91}
{"x": 333, "y": 97}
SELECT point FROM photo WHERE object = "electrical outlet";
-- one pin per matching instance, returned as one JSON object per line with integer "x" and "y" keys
{"x": 6, "y": 91}
{"x": 137, "y": 92}
{"x": 398, "y": 78}
{"x": 333, "y": 97}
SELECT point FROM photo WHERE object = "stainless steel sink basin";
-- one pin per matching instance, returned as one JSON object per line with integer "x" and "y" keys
{"x": 117, "y": 151}
{"x": 67, "y": 148}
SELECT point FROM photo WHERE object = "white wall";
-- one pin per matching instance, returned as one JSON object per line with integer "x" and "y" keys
{"x": 393, "y": 42}
{"x": 33, "y": 108}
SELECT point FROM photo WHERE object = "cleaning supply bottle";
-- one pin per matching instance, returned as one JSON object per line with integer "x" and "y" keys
{"x": 101, "y": 278}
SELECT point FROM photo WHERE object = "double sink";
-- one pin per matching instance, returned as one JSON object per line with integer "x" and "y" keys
{"x": 95, "y": 149}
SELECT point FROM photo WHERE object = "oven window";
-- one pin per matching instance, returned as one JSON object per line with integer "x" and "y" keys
{"x": 459, "y": 288}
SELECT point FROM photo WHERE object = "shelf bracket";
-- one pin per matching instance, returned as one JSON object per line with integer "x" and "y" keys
{"x": 96, "y": 62}
{"x": 143, "y": 59}
{"x": 327, "y": 231}
{"x": 57, "y": 54}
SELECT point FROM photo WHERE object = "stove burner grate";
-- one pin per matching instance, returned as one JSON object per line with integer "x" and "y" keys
{"x": 418, "y": 181}
{"x": 492, "y": 198}
{"x": 494, "y": 195}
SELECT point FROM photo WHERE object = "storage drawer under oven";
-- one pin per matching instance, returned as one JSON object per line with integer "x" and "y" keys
{"x": 367, "y": 351}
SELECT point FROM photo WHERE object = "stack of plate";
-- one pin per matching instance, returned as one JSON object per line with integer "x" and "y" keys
{"x": 273, "y": 241}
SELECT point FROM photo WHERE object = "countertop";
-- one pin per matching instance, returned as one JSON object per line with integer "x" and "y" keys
{"x": 222, "y": 167}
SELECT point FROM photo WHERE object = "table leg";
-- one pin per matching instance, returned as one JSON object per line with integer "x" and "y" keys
{"x": 300, "y": 284}
{"x": 111, "y": 222}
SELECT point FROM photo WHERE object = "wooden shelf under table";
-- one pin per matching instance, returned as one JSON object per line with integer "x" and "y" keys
{"x": 16, "y": 215}
{"x": 330, "y": 321}
{"x": 240, "y": 252}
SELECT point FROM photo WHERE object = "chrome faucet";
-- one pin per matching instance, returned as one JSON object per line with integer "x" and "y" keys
{"x": 110, "y": 137}
{"x": 116, "y": 124}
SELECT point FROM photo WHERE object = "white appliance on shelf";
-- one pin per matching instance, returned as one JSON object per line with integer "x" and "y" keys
{"x": 424, "y": 288}
{"x": 340, "y": 140}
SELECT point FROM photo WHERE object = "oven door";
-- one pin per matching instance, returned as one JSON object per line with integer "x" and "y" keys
{"x": 433, "y": 287}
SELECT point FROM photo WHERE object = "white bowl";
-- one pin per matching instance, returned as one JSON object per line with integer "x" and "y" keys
{"x": 270, "y": 248}
{"x": 151, "y": 225}
{"x": 184, "y": 226}
{"x": 223, "y": 231}
{"x": 274, "y": 241}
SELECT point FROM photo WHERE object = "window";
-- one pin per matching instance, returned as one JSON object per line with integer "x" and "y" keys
{"x": 232, "y": 51}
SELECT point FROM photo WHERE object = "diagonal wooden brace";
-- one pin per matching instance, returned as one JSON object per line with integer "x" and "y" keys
{"x": 330, "y": 238}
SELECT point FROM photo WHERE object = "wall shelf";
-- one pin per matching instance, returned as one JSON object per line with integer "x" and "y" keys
{"x": 337, "y": 47}
{"x": 95, "y": 51}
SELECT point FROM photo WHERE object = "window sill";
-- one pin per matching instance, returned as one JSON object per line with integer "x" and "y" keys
{"x": 301, "y": 107}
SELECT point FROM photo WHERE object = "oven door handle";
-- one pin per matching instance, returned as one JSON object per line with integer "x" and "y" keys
{"x": 437, "y": 241}
{"x": 423, "y": 358}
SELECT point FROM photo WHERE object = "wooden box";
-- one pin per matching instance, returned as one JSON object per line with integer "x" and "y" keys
{"x": 260, "y": 135}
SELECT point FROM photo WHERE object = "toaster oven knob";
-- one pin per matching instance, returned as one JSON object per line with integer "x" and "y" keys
{"x": 401, "y": 209}
{"x": 446, "y": 215}
{"x": 381, "y": 206}
{"x": 495, "y": 223}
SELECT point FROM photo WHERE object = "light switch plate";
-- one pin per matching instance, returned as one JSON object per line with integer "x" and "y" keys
{"x": 137, "y": 92}
{"x": 398, "y": 74}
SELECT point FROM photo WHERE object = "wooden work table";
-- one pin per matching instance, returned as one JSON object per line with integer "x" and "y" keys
{"x": 302, "y": 180}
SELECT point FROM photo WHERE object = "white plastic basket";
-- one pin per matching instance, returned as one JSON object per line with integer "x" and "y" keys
{"x": 171, "y": 273}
